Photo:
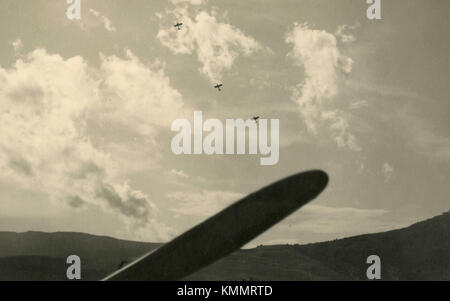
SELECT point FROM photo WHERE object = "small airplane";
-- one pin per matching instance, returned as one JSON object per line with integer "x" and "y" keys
{"x": 218, "y": 86}
{"x": 255, "y": 118}
{"x": 178, "y": 25}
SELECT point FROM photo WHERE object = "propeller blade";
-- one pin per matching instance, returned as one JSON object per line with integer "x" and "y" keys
{"x": 226, "y": 231}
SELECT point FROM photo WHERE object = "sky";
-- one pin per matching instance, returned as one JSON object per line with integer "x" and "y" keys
{"x": 86, "y": 107}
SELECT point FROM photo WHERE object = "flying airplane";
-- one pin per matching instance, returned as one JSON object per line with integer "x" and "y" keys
{"x": 225, "y": 232}
{"x": 218, "y": 86}
{"x": 178, "y": 25}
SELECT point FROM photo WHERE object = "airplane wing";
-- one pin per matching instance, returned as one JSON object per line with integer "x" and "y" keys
{"x": 226, "y": 231}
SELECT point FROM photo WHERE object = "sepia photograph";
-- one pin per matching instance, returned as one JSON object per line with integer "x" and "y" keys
{"x": 206, "y": 141}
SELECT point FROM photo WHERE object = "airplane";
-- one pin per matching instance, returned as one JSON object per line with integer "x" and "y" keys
{"x": 225, "y": 232}
{"x": 218, "y": 86}
{"x": 255, "y": 118}
{"x": 178, "y": 25}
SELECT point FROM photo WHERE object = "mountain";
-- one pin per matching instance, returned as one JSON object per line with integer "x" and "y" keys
{"x": 45, "y": 254}
{"x": 418, "y": 252}
{"x": 62, "y": 244}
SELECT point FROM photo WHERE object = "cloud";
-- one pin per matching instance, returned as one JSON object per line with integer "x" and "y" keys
{"x": 316, "y": 51}
{"x": 76, "y": 201}
{"x": 204, "y": 203}
{"x": 339, "y": 126}
{"x": 17, "y": 44}
{"x": 343, "y": 33}
{"x": 216, "y": 44}
{"x": 20, "y": 165}
{"x": 131, "y": 203}
{"x": 433, "y": 145}
{"x": 336, "y": 220}
{"x": 388, "y": 171}
{"x": 314, "y": 221}
{"x": 424, "y": 139}
{"x": 106, "y": 22}
{"x": 136, "y": 96}
{"x": 359, "y": 104}
{"x": 191, "y": 2}
{"x": 179, "y": 173}
{"x": 48, "y": 107}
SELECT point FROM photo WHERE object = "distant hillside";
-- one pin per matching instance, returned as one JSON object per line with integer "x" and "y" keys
{"x": 60, "y": 244}
{"x": 281, "y": 263}
{"x": 47, "y": 253}
{"x": 418, "y": 252}
{"x": 43, "y": 268}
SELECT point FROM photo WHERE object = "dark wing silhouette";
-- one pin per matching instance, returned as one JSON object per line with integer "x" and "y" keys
{"x": 226, "y": 231}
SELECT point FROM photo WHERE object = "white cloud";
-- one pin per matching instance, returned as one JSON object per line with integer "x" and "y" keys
{"x": 340, "y": 129}
{"x": 204, "y": 203}
{"x": 325, "y": 219}
{"x": 361, "y": 167}
{"x": 216, "y": 44}
{"x": 191, "y": 2}
{"x": 17, "y": 44}
{"x": 314, "y": 221}
{"x": 179, "y": 173}
{"x": 317, "y": 52}
{"x": 106, "y": 22}
{"x": 343, "y": 33}
{"x": 342, "y": 212}
{"x": 388, "y": 171}
{"x": 359, "y": 104}
{"x": 137, "y": 96}
{"x": 46, "y": 140}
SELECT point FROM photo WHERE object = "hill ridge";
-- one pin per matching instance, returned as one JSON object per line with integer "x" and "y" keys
{"x": 416, "y": 252}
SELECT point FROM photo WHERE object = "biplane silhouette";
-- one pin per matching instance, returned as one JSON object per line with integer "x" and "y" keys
{"x": 178, "y": 25}
{"x": 218, "y": 87}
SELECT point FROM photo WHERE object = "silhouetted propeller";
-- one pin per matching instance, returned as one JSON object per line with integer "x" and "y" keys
{"x": 226, "y": 231}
